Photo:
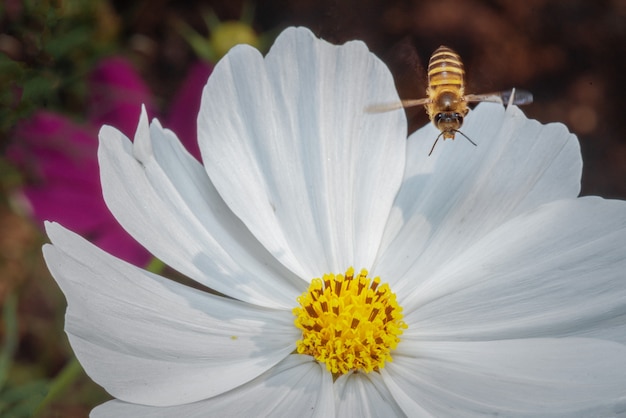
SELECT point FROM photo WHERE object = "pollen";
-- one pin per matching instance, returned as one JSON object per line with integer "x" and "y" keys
{"x": 348, "y": 322}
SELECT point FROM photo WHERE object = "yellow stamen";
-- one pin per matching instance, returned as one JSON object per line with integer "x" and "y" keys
{"x": 349, "y": 323}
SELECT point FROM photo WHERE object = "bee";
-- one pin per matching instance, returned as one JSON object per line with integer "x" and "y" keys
{"x": 446, "y": 102}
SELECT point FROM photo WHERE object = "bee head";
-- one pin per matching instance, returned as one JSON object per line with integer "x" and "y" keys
{"x": 448, "y": 123}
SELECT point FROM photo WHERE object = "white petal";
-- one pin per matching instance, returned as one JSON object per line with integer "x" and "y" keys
{"x": 569, "y": 377}
{"x": 163, "y": 197}
{"x": 149, "y": 340}
{"x": 364, "y": 395}
{"x": 296, "y": 387}
{"x": 556, "y": 271}
{"x": 454, "y": 197}
{"x": 288, "y": 145}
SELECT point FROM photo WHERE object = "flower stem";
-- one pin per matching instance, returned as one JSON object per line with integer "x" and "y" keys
{"x": 60, "y": 383}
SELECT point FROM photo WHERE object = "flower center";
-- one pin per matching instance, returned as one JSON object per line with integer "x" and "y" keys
{"x": 349, "y": 322}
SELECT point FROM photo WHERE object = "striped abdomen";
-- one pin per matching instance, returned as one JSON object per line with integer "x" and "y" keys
{"x": 445, "y": 72}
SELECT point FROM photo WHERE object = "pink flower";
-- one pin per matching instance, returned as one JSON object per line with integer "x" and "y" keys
{"x": 60, "y": 155}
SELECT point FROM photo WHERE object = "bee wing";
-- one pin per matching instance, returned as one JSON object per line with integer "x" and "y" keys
{"x": 508, "y": 97}
{"x": 517, "y": 97}
{"x": 386, "y": 107}
{"x": 487, "y": 97}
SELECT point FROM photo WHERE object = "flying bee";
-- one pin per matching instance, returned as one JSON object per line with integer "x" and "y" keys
{"x": 446, "y": 101}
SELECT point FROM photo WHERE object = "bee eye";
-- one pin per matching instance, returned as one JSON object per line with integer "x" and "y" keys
{"x": 459, "y": 118}
{"x": 438, "y": 118}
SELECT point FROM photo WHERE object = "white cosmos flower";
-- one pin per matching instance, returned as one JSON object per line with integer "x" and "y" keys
{"x": 512, "y": 288}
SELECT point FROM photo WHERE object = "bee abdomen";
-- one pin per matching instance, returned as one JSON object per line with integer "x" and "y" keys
{"x": 445, "y": 69}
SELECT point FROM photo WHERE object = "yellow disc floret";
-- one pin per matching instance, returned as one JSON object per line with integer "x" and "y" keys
{"x": 349, "y": 322}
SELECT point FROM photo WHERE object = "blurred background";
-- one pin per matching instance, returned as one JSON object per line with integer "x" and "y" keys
{"x": 67, "y": 67}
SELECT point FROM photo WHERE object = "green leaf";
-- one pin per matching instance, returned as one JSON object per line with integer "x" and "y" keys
{"x": 22, "y": 401}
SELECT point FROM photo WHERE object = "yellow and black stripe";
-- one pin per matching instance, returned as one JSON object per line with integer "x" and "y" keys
{"x": 445, "y": 71}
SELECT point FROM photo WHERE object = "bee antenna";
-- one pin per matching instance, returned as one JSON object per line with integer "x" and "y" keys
{"x": 433, "y": 148}
{"x": 466, "y": 137}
